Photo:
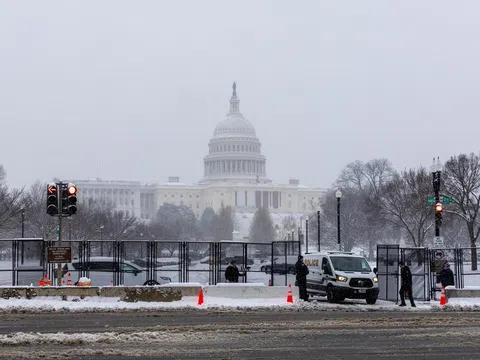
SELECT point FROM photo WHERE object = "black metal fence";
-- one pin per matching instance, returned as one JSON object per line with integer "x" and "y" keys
{"x": 140, "y": 262}
{"x": 425, "y": 265}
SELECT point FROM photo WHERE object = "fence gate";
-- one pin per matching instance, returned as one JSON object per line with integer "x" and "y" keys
{"x": 418, "y": 261}
{"x": 387, "y": 273}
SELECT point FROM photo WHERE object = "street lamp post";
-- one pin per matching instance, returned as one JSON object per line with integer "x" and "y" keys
{"x": 101, "y": 240}
{"x": 318, "y": 230}
{"x": 338, "y": 195}
{"x": 306, "y": 236}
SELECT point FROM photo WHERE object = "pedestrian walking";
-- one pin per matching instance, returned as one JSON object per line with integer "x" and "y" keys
{"x": 302, "y": 271}
{"x": 446, "y": 276}
{"x": 231, "y": 273}
{"x": 406, "y": 287}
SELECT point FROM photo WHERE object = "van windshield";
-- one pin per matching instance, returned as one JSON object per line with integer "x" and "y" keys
{"x": 348, "y": 263}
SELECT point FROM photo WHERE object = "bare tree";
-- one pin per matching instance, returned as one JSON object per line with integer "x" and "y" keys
{"x": 38, "y": 223}
{"x": 402, "y": 202}
{"x": 462, "y": 183}
{"x": 289, "y": 224}
{"x": 367, "y": 180}
{"x": 353, "y": 219}
{"x": 10, "y": 203}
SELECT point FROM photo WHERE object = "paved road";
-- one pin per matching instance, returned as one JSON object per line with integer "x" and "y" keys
{"x": 242, "y": 335}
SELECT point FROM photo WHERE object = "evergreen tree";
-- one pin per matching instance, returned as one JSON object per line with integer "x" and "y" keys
{"x": 207, "y": 223}
{"x": 223, "y": 224}
{"x": 262, "y": 229}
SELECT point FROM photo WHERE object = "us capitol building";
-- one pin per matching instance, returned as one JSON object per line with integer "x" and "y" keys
{"x": 235, "y": 174}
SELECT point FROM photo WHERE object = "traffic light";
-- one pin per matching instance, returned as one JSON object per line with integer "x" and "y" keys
{"x": 72, "y": 198}
{"x": 52, "y": 199}
{"x": 438, "y": 214}
{"x": 69, "y": 199}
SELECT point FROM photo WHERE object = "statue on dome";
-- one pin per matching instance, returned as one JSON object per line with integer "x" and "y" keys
{"x": 234, "y": 88}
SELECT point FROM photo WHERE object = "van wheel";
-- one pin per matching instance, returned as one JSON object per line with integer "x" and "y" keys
{"x": 371, "y": 300}
{"x": 291, "y": 270}
{"x": 267, "y": 269}
{"x": 330, "y": 294}
{"x": 150, "y": 283}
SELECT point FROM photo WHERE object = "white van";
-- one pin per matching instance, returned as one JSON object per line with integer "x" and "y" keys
{"x": 339, "y": 275}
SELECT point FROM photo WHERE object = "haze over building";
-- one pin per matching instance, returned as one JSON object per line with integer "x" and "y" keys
{"x": 235, "y": 174}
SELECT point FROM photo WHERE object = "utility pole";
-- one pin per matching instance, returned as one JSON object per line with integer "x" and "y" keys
{"x": 306, "y": 236}
{"x": 23, "y": 234}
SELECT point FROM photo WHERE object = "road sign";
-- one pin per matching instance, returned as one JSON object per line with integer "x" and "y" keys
{"x": 59, "y": 254}
{"x": 431, "y": 200}
{"x": 439, "y": 255}
{"x": 438, "y": 242}
{"x": 447, "y": 199}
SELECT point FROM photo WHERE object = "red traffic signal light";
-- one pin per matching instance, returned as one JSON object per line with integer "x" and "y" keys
{"x": 72, "y": 198}
{"x": 72, "y": 189}
{"x": 438, "y": 207}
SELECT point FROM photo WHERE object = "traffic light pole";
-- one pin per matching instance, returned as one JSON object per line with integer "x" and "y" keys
{"x": 436, "y": 189}
{"x": 59, "y": 265}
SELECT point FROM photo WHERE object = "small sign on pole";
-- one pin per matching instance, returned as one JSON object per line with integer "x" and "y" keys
{"x": 59, "y": 254}
{"x": 438, "y": 242}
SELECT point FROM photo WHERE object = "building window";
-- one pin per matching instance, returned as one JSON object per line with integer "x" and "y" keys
{"x": 190, "y": 195}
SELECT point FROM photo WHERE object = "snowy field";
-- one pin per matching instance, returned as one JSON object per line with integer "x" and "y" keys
{"x": 97, "y": 304}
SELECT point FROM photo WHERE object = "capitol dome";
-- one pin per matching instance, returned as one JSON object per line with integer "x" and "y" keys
{"x": 234, "y": 150}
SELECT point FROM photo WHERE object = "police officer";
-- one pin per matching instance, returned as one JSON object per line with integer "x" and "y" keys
{"x": 231, "y": 272}
{"x": 446, "y": 276}
{"x": 302, "y": 271}
{"x": 406, "y": 278}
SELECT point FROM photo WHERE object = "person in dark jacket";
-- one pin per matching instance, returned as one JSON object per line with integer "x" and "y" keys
{"x": 231, "y": 273}
{"x": 406, "y": 288}
{"x": 446, "y": 276}
{"x": 302, "y": 271}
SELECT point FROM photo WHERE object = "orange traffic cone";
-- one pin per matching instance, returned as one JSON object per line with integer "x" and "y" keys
{"x": 45, "y": 281}
{"x": 69, "y": 279}
{"x": 289, "y": 294}
{"x": 443, "y": 298}
{"x": 200, "y": 297}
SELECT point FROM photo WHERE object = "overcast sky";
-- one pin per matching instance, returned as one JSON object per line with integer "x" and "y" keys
{"x": 132, "y": 90}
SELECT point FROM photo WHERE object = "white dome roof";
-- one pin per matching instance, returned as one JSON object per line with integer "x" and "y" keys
{"x": 234, "y": 150}
{"x": 234, "y": 124}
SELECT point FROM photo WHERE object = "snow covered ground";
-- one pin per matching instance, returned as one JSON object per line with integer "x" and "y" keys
{"x": 97, "y": 304}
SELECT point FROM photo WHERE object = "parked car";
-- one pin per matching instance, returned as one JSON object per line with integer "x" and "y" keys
{"x": 279, "y": 265}
{"x": 101, "y": 272}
